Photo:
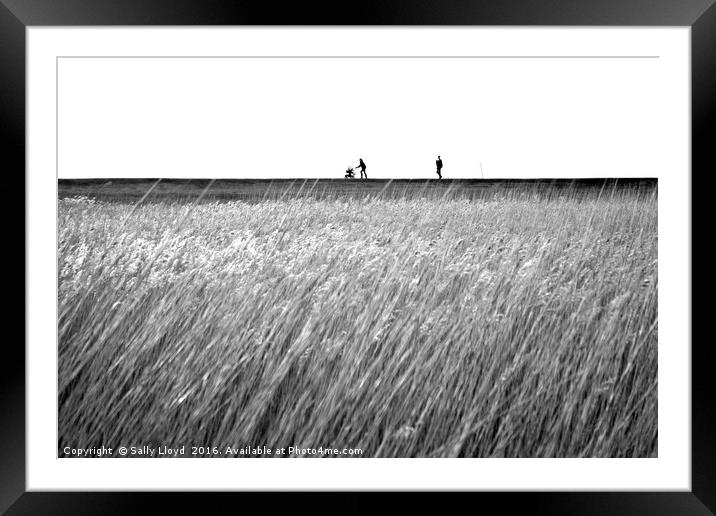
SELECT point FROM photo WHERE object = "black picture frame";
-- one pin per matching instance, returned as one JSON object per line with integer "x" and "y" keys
{"x": 700, "y": 15}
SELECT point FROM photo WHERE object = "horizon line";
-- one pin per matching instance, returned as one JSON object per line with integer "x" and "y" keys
{"x": 357, "y": 180}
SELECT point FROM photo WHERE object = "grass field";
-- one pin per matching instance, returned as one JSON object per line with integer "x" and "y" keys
{"x": 408, "y": 321}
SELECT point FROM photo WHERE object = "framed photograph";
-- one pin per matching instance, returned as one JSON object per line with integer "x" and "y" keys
{"x": 447, "y": 246}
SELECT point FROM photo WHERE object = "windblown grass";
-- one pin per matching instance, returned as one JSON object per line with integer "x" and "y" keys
{"x": 513, "y": 326}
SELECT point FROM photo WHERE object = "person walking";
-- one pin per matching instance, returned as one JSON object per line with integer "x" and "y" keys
{"x": 439, "y": 165}
{"x": 362, "y": 167}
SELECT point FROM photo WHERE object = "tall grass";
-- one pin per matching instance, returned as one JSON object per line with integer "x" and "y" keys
{"x": 516, "y": 325}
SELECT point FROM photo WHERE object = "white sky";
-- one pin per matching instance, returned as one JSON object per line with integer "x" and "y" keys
{"x": 292, "y": 117}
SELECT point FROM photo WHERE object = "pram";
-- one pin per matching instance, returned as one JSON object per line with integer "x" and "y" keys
{"x": 349, "y": 173}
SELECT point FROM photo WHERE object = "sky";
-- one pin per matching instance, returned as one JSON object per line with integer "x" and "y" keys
{"x": 314, "y": 117}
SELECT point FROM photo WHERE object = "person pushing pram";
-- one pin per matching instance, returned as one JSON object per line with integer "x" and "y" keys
{"x": 350, "y": 173}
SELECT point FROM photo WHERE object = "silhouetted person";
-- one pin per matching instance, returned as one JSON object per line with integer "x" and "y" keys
{"x": 362, "y": 167}
{"x": 349, "y": 173}
{"x": 439, "y": 165}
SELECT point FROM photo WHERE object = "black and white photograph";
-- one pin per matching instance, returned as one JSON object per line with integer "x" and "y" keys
{"x": 356, "y": 257}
